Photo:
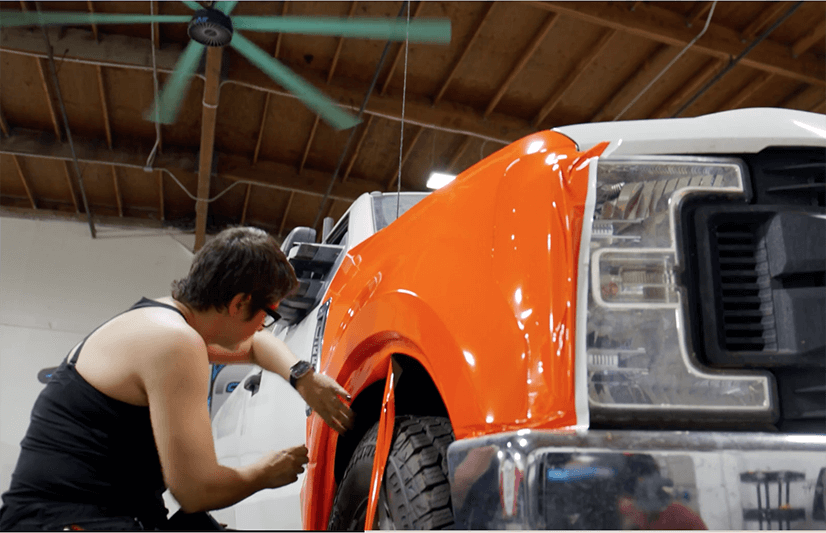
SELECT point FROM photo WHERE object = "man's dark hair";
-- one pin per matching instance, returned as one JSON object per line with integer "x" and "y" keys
{"x": 237, "y": 260}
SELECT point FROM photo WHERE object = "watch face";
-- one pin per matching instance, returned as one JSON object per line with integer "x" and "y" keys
{"x": 299, "y": 369}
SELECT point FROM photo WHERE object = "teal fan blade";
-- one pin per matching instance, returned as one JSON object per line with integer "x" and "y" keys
{"x": 166, "y": 110}
{"x": 10, "y": 19}
{"x": 420, "y": 31}
{"x": 312, "y": 97}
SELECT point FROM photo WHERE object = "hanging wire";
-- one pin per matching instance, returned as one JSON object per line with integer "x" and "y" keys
{"x": 736, "y": 60}
{"x": 668, "y": 66}
{"x": 404, "y": 94}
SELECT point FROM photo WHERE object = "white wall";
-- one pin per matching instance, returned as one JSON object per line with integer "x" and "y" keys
{"x": 56, "y": 285}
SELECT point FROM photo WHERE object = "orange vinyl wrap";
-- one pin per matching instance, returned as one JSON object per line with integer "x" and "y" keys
{"x": 477, "y": 282}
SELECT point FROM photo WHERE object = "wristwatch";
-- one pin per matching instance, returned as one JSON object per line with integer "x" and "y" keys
{"x": 298, "y": 371}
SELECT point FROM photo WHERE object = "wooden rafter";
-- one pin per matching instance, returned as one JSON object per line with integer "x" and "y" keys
{"x": 339, "y": 45}
{"x": 131, "y": 52}
{"x": 580, "y": 67}
{"x": 23, "y": 6}
{"x": 71, "y": 186}
{"x": 23, "y": 179}
{"x": 49, "y": 103}
{"x": 661, "y": 25}
{"x": 812, "y": 36}
{"x": 751, "y": 87}
{"x": 94, "y": 26}
{"x": 818, "y": 107}
{"x": 357, "y": 149}
{"x": 686, "y": 91}
{"x": 308, "y": 144}
{"x": 261, "y": 129}
{"x": 233, "y": 167}
{"x": 630, "y": 87}
{"x": 697, "y": 13}
{"x": 762, "y": 21}
{"x": 284, "y": 215}
{"x": 117, "y": 190}
{"x": 103, "y": 105}
{"x": 399, "y": 53}
{"x": 4, "y": 126}
{"x": 160, "y": 195}
{"x": 210, "y": 109}
{"x": 796, "y": 93}
{"x": 464, "y": 53}
{"x": 405, "y": 154}
{"x": 268, "y": 95}
{"x": 525, "y": 56}
{"x": 246, "y": 204}
{"x": 457, "y": 155}
{"x": 635, "y": 5}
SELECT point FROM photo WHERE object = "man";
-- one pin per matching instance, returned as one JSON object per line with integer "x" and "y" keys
{"x": 125, "y": 416}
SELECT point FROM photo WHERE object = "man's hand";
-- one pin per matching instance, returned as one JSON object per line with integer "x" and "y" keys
{"x": 326, "y": 397}
{"x": 282, "y": 468}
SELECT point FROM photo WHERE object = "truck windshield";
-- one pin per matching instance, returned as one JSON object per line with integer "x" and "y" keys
{"x": 384, "y": 207}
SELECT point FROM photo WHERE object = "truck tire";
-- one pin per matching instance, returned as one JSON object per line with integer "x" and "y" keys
{"x": 415, "y": 493}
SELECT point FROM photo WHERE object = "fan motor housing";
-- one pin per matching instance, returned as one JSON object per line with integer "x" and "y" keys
{"x": 210, "y": 27}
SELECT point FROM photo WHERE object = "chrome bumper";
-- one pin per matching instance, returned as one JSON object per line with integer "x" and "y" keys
{"x": 638, "y": 479}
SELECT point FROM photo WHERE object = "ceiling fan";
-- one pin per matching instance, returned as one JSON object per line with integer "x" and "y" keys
{"x": 212, "y": 26}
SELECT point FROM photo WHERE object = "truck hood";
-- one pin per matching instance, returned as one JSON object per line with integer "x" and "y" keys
{"x": 737, "y": 131}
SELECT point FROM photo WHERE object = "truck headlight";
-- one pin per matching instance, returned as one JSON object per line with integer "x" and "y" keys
{"x": 639, "y": 361}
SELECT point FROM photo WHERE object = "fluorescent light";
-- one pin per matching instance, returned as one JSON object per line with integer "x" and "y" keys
{"x": 437, "y": 180}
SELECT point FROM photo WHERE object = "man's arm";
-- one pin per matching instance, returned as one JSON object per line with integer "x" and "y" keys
{"x": 321, "y": 392}
{"x": 176, "y": 380}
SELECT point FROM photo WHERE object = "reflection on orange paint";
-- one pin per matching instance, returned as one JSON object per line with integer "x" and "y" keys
{"x": 477, "y": 282}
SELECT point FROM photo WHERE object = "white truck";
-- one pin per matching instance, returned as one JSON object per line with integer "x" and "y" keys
{"x": 761, "y": 341}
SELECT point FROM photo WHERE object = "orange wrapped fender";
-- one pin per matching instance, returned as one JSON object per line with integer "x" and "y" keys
{"x": 477, "y": 282}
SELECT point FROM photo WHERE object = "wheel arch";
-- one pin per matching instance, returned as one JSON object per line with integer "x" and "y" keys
{"x": 416, "y": 394}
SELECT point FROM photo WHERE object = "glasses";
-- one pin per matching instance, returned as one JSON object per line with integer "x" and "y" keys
{"x": 272, "y": 316}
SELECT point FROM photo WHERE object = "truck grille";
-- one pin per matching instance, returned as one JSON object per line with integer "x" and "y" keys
{"x": 759, "y": 274}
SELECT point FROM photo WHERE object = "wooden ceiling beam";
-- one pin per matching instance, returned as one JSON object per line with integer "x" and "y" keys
{"x": 818, "y": 107}
{"x": 570, "y": 78}
{"x": 457, "y": 155}
{"x": 807, "y": 41}
{"x": 284, "y": 215}
{"x": 261, "y": 129}
{"x": 246, "y": 204}
{"x": 268, "y": 96}
{"x": 4, "y": 126}
{"x": 94, "y": 26}
{"x": 686, "y": 91}
{"x": 339, "y": 45}
{"x": 23, "y": 179}
{"x": 161, "y": 209}
{"x": 270, "y": 174}
{"x": 357, "y": 149}
{"x": 629, "y": 88}
{"x": 751, "y": 87}
{"x": 103, "y": 105}
{"x": 71, "y": 186}
{"x": 406, "y": 151}
{"x": 399, "y": 52}
{"x": 697, "y": 13}
{"x": 763, "y": 20}
{"x": 118, "y": 198}
{"x": 49, "y": 102}
{"x": 660, "y": 24}
{"x": 308, "y": 144}
{"x": 524, "y": 57}
{"x": 208, "y": 114}
{"x": 465, "y": 50}
{"x": 131, "y": 52}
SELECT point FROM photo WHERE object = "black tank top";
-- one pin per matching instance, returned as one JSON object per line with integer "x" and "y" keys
{"x": 85, "y": 448}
